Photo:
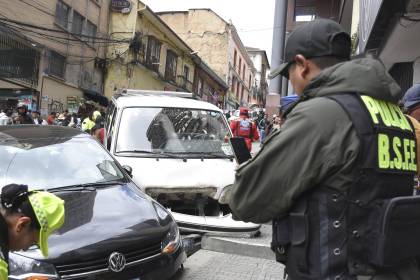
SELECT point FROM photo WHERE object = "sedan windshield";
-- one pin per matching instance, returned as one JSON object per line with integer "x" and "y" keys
{"x": 173, "y": 131}
{"x": 41, "y": 164}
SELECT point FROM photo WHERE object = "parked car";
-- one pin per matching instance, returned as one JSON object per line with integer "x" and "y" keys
{"x": 112, "y": 230}
{"x": 179, "y": 151}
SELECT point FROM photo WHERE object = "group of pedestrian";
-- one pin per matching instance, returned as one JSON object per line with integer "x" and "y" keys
{"x": 90, "y": 119}
{"x": 336, "y": 180}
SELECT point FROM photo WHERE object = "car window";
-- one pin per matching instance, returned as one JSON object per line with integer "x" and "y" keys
{"x": 172, "y": 130}
{"x": 42, "y": 164}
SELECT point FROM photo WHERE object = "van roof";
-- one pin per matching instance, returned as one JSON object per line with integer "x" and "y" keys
{"x": 140, "y": 98}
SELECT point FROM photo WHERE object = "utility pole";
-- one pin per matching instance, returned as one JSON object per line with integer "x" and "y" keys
{"x": 277, "y": 55}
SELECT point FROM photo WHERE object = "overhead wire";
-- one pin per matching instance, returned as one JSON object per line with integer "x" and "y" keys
{"x": 61, "y": 31}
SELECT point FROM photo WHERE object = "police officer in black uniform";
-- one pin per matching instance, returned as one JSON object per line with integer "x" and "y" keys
{"x": 337, "y": 178}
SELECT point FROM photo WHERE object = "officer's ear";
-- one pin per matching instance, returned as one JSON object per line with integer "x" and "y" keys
{"x": 22, "y": 224}
{"x": 302, "y": 65}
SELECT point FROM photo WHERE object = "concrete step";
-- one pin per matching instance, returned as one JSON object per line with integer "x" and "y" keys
{"x": 257, "y": 247}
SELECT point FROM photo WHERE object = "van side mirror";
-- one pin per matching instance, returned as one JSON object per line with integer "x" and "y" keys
{"x": 128, "y": 169}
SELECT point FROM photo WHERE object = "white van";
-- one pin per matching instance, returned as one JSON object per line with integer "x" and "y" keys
{"x": 178, "y": 150}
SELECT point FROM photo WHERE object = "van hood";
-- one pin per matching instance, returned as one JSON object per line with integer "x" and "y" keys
{"x": 189, "y": 174}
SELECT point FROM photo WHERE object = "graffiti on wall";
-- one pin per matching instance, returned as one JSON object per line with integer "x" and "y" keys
{"x": 55, "y": 105}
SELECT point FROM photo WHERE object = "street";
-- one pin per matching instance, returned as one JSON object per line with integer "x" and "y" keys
{"x": 239, "y": 257}
{"x": 209, "y": 265}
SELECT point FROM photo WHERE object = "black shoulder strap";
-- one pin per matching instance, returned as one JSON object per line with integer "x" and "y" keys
{"x": 351, "y": 103}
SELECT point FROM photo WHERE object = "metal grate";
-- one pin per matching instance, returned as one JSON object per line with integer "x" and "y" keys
{"x": 17, "y": 59}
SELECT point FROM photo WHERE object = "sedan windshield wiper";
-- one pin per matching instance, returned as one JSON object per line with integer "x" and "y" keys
{"x": 86, "y": 187}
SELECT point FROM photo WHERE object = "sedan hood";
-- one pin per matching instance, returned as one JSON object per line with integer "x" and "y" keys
{"x": 179, "y": 173}
{"x": 97, "y": 223}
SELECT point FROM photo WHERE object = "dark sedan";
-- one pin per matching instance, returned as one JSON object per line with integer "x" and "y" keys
{"x": 112, "y": 230}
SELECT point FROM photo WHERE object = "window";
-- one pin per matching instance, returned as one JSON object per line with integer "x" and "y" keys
{"x": 62, "y": 14}
{"x": 233, "y": 84}
{"x": 243, "y": 73}
{"x": 238, "y": 88}
{"x": 153, "y": 53}
{"x": 240, "y": 64}
{"x": 77, "y": 25}
{"x": 170, "y": 69}
{"x": 235, "y": 54}
{"x": 200, "y": 87}
{"x": 305, "y": 12}
{"x": 57, "y": 64}
{"x": 249, "y": 81}
{"x": 91, "y": 32}
{"x": 186, "y": 74}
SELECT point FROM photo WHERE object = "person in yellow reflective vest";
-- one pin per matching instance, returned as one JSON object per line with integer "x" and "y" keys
{"x": 27, "y": 218}
{"x": 89, "y": 122}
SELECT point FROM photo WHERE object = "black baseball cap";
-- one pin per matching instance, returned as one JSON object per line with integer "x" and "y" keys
{"x": 321, "y": 37}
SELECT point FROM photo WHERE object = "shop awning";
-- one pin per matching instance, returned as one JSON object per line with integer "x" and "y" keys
{"x": 96, "y": 97}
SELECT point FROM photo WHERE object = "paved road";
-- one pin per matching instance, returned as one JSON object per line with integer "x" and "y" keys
{"x": 208, "y": 265}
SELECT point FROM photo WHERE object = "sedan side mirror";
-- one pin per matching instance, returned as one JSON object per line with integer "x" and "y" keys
{"x": 129, "y": 170}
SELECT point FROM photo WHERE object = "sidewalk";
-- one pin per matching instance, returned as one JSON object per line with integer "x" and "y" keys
{"x": 208, "y": 265}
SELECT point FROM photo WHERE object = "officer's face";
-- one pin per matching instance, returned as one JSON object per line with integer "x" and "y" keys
{"x": 21, "y": 234}
{"x": 301, "y": 72}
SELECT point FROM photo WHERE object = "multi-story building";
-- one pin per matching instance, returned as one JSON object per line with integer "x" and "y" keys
{"x": 52, "y": 52}
{"x": 157, "y": 58}
{"x": 219, "y": 45}
{"x": 262, "y": 66}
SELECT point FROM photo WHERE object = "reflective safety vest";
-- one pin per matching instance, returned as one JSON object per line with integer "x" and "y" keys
{"x": 3, "y": 269}
{"x": 374, "y": 225}
{"x": 244, "y": 128}
{"x": 4, "y": 252}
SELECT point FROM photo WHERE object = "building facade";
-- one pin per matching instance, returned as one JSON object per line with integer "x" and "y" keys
{"x": 262, "y": 67}
{"x": 388, "y": 30}
{"x": 156, "y": 59}
{"x": 52, "y": 52}
{"x": 208, "y": 86}
{"x": 219, "y": 45}
{"x": 300, "y": 11}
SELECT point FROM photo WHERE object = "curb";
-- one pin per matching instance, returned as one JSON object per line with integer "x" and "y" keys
{"x": 237, "y": 247}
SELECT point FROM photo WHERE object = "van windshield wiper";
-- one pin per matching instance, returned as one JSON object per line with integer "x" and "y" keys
{"x": 161, "y": 153}
{"x": 86, "y": 187}
{"x": 211, "y": 155}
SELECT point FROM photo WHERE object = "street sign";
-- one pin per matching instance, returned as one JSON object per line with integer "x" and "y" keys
{"x": 121, "y": 6}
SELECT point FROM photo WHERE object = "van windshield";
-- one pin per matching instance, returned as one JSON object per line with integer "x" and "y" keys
{"x": 173, "y": 131}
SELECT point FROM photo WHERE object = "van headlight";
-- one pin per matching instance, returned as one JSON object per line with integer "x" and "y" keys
{"x": 172, "y": 240}
{"x": 21, "y": 267}
{"x": 225, "y": 195}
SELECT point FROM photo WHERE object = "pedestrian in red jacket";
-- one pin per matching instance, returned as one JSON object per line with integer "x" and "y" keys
{"x": 244, "y": 127}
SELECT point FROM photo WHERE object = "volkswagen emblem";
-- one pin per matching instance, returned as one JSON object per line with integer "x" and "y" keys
{"x": 116, "y": 262}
